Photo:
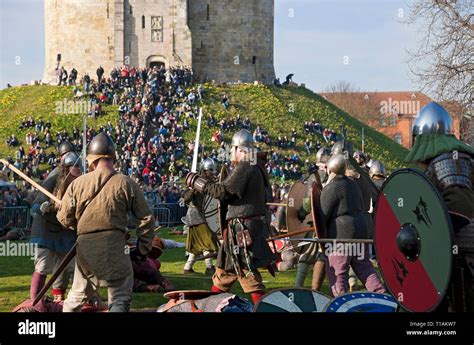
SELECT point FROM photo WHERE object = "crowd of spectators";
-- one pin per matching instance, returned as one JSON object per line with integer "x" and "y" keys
{"x": 155, "y": 107}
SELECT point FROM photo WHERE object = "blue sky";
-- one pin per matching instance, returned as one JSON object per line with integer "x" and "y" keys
{"x": 313, "y": 39}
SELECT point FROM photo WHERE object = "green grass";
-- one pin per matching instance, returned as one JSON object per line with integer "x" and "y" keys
{"x": 276, "y": 109}
{"x": 15, "y": 279}
{"x": 18, "y": 103}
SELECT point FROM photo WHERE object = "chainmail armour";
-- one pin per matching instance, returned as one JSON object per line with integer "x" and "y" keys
{"x": 342, "y": 207}
{"x": 195, "y": 214}
{"x": 244, "y": 190}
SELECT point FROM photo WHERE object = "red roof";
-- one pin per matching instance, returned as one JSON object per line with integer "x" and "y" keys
{"x": 393, "y": 98}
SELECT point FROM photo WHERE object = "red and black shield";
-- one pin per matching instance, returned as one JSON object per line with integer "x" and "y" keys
{"x": 413, "y": 240}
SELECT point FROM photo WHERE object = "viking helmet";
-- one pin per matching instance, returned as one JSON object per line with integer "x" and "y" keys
{"x": 65, "y": 147}
{"x": 323, "y": 154}
{"x": 433, "y": 118}
{"x": 102, "y": 146}
{"x": 337, "y": 164}
{"x": 340, "y": 147}
{"x": 72, "y": 159}
{"x": 370, "y": 162}
{"x": 360, "y": 154}
{"x": 243, "y": 138}
{"x": 208, "y": 164}
{"x": 377, "y": 169}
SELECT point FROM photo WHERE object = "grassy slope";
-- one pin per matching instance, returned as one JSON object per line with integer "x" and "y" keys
{"x": 276, "y": 109}
{"x": 40, "y": 101}
{"x": 281, "y": 109}
{"x": 15, "y": 279}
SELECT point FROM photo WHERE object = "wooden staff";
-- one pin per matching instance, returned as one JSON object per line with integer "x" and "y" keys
{"x": 62, "y": 266}
{"x": 29, "y": 180}
{"x": 299, "y": 232}
{"x": 275, "y": 204}
{"x": 330, "y": 240}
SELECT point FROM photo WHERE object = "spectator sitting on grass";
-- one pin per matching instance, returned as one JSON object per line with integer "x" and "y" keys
{"x": 225, "y": 101}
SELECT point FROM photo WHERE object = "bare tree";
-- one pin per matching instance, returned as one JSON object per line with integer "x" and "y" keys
{"x": 443, "y": 62}
{"x": 349, "y": 98}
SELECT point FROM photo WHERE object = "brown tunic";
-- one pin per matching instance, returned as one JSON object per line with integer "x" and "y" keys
{"x": 101, "y": 245}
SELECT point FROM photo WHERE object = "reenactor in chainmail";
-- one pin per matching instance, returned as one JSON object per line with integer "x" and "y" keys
{"x": 200, "y": 239}
{"x": 345, "y": 148}
{"x": 377, "y": 173}
{"x": 245, "y": 248}
{"x": 448, "y": 163}
{"x": 52, "y": 239}
{"x": 361, "y": 159}
{"x": 63, "y": 148}
{"x": 343, "y": 218}
{"x": 312, "y": 256}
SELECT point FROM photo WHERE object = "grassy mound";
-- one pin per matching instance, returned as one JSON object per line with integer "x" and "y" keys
{"x": 276, "y": 109}
{"x": 51, "y": 103}
{"x": 280, "y": 109}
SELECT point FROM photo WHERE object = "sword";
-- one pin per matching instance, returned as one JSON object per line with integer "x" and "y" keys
{"x": 196, "y": 143}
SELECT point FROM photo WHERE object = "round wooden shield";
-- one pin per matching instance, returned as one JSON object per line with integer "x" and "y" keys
{"x": 211, "y": 212}
{"x": 413, "y": 240}
{"x": 362, "y": 302}
{"x": 292, "y": 301}
{"x": 316, "y": 209}
{"x": 296, "y": 195}
{"x": 189, "y": 294}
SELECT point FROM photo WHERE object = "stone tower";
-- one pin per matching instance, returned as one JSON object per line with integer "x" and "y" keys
{"x": 225, "y": 40}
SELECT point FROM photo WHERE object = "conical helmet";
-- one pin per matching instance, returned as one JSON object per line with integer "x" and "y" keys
{"x": 102, "y": 146}
{"x": 243, "y": 138}
{"x": 433, "y": 118}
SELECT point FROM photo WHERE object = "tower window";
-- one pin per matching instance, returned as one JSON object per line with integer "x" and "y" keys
{"x": 131, "y": 9}
{"x": 207, "y": 12}
{"x": 254, "y": 59}
{"x": 129, "y": 47}
{"x": 143, "y": 22}
{"x": 107, "y": 10}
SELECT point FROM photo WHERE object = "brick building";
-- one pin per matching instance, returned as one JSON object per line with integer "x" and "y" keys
{"x": 395, "y": 112}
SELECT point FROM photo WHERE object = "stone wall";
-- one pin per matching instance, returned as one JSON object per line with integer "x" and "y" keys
{"x": 225, "y": 41}
{"x": 232, "y": 40}
{"x": 172, "y": 46}
{"x": 84, "y": 33}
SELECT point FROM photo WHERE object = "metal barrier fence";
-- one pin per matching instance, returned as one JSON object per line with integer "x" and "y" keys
{"x": 162, "y": 215}
{"x": 15, "y": 217}
{"x": 169, "y": 214}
